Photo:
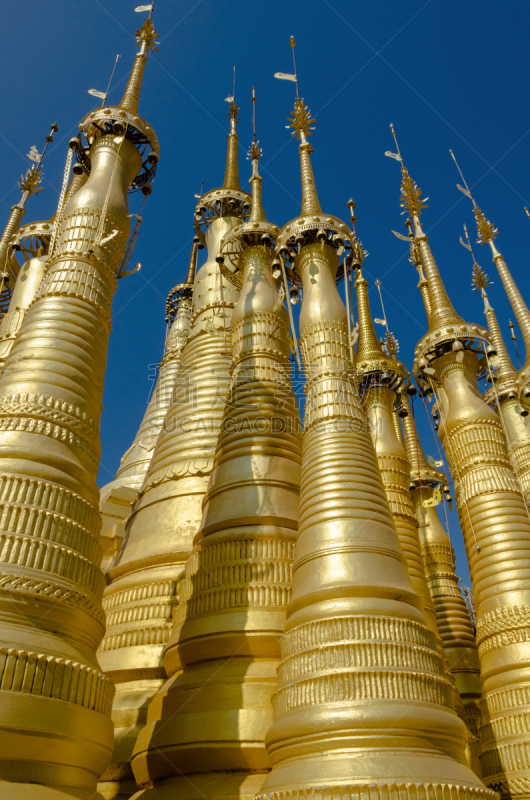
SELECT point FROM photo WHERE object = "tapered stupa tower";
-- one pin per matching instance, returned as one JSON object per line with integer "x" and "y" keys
{"x": 493, "y": 514}
{"x": 55, "y": 727}
{"x": 118, "y": 496}
{"x": 383, "y": 378}
{"x": 452, "y": 616}
{"x": 487, "y": 233}
{"x": 363, "y": 705}
{"x": 142, "y": 593}
{"x": 503, "y": 392}
{"x": 206, "y": 727}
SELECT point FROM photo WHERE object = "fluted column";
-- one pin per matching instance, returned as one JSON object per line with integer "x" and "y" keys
{"x": 55, "y": 726}
{"x": 210, "y": 719}
{"x": 363, "y": 706}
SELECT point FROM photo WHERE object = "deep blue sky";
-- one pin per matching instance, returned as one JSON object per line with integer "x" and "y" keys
{"x": 447, "y": 74}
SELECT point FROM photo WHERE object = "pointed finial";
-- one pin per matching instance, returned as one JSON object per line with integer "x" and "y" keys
{"x": 384, "y": 320}
{"x": 390, "y": 345}
{"x": 506, "y": 374}
{"x": 465, "y": 188}
{"x": 421, "y": 470}
{"x": 486, "y": 233}
{"x": 146, "y": 37}
{"x": 190, "y": 277}
{"x": 438, "y": 306}
{"x": 368, "y": 345}
{"x": 479, "y": 279}
{"x": 30, "y": 182}
{"x": 183, "y": 290}
{"x": 286, "y": 76}
{"x": 485, "y": 229}
{"x": 301, "y": 121}
{"x": 410, "y": 199}
{"x": 233, "y": 116}
{"x": 292, "y": 45}
{"x": 254, "y": 154}
{"x": 511, "y": 326}
{"x": 231, "y": 180}
{"x": 358, "y": 254}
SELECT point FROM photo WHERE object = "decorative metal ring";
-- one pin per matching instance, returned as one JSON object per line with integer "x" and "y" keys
{"x": 174, "y": 298}
{"x": 220, "y": 203}
{"x": 137, "y": 130}
{"x": 312, "y": 225}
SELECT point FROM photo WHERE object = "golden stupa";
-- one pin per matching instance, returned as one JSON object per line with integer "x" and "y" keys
{"x": 255, "y": 606}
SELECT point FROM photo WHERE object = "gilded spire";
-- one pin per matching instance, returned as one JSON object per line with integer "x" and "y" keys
{"x": 146, "y": 38}
{"x": 192, "y": 268}
{"x": 254, "y": 154}
{"x": 439, "y": 309}
{"x": 486, "y": 233}
{"x": 423, "y": 286}
{"x": 231, "y": 180}
{"x": 505, "y": 370}
{"x": 258, "y": 212}
{"x": 421, "y": 470}
{"x": 368, "y": 346}
{"x": 53, "y": 456}
{"x": 301, "y": 123}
